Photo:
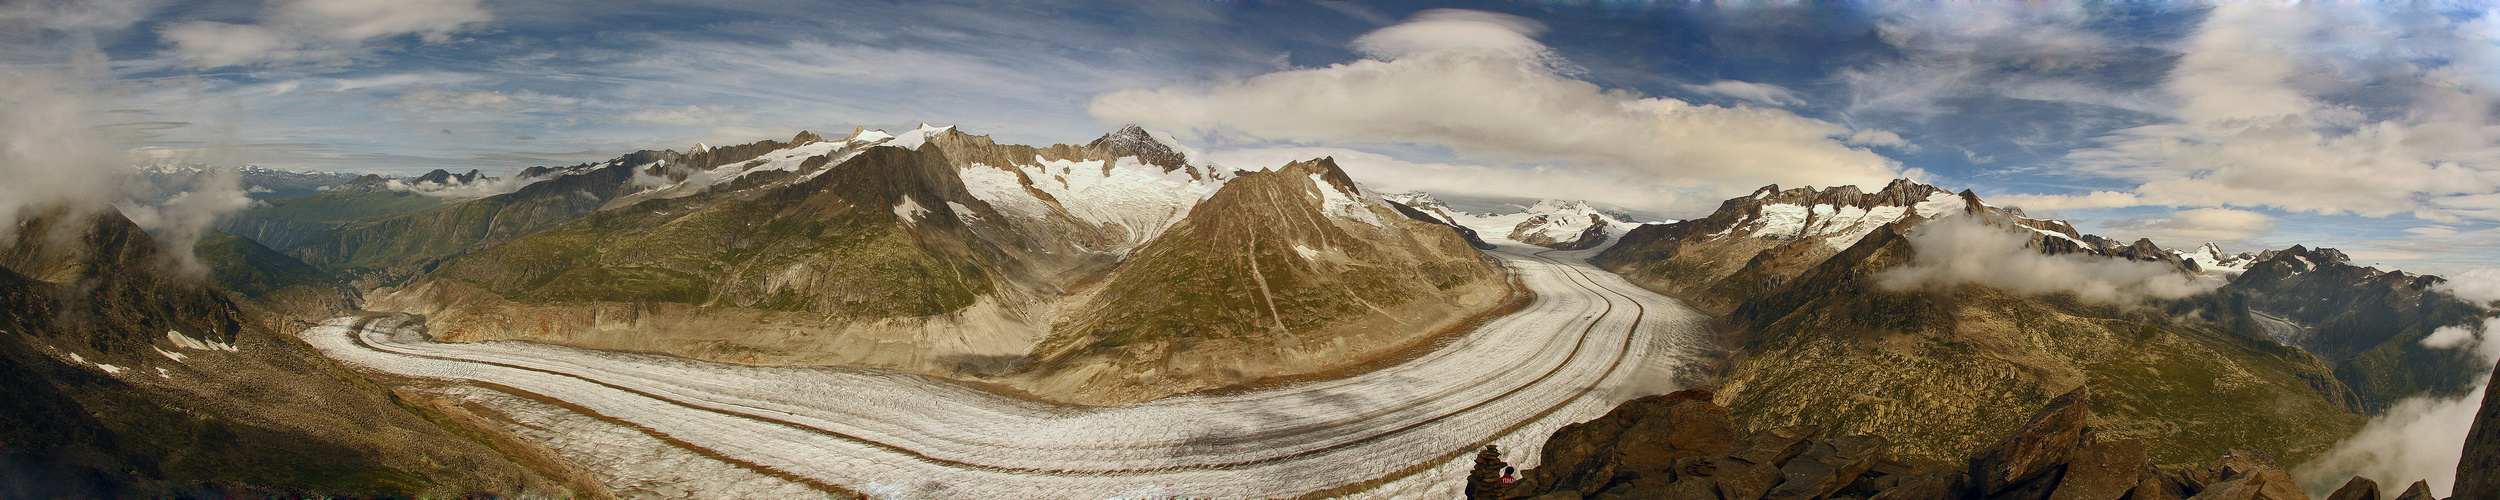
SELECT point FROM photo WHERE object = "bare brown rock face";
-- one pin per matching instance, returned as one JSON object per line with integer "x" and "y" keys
{"x": 2478, "y": 471}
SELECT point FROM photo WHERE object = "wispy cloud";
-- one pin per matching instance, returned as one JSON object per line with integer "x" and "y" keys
{"x": 294, "y": 30}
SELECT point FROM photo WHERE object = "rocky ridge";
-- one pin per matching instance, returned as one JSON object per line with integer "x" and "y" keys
{"x": 129, "y": 378}
{"x": 1683, "y": 446}
{"x": 945, "y": 253}
{"x": 1796, "y": 277}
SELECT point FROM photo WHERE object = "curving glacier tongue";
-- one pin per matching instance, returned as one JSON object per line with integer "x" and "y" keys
{"x": 1587, "y": 341}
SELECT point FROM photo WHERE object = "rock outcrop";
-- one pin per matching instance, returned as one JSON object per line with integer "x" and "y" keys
{"x": 2478, "y": 470}
{"x": 1683, "y": 446}
{"x": 1800, "y": 277}
{"x": 128, "y": 378}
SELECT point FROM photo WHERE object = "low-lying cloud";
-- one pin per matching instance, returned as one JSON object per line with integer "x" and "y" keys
{"x": 51, "y": 152}
{"x": 54, "y": 153}
{"x": 1969, "y": 249}
{"x": 1480, "y": 84}
{"x": 2479, "y": 285}
{"x": 2419, "y": 438}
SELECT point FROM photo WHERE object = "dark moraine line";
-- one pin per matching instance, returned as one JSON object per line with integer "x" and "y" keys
{"x": 1579, "y": 278}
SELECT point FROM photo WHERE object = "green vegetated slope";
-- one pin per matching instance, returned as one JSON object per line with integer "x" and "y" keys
{"x": 269, "y": 417}
{"x": 1262, "y": 272}
{"x": 1818, "y": 342}
{"x": 1942, "y": 371}
{"x": 834, "y": 244}
{"x": 394, "y": 248}
{"x": 284, "y": 222}
{"x": 245, "y": 266}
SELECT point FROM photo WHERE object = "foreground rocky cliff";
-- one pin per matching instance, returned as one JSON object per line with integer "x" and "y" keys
{"x": 1683, "y": 446}
{"x": 129, "y": 377}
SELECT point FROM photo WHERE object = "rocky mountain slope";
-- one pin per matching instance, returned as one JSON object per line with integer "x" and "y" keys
{"x": 1682, "y": 446}
{"x": 1798, "y": 276}
{"x": 2366, "y": 323}
{"x": 1285, "y": 271}
{"x": 129, "y": 378}
{"x": 937, "y": 252}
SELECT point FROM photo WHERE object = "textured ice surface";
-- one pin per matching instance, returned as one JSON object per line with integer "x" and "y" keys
{"x": 1587, "y": 342}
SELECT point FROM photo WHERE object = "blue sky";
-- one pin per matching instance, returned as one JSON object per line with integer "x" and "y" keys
{"x": 2366, "y": 128}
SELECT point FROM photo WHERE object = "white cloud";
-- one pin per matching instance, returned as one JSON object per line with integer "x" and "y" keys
{"x": 1957, "y": 250}
{"x": 50, "y": 150}
{"x": 1389, "y": 174}
{"x": 1757, "y": 92}
{"x": 318, "y": 30}
{"x": 1497, "y": 99}
{"x": 1454, "y": 30}
{"x": 2095, "y": 199}
{"x": 2187, "y": 228}
{"x": 2254, "y": 125}
{"x": 2417, "y": 438}
{"x": 2479, "y": 285}
{"x": 1873, "y": 137}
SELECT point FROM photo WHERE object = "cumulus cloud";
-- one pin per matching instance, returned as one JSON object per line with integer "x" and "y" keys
{"x": 1480, "y": 84}
{"x": 2255, "y": 123}
{"x": 1757, "y": 92}
{"x": 1958, "y": 250}
{"x": 2479, "y": 285}
{"x": 2418, "y": 438}
{"x": 2190, "y": 227}
{"x": 317, "y": 29}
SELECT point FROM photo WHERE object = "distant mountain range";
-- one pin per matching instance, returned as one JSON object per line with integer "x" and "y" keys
{"x": 1127, "y": 269}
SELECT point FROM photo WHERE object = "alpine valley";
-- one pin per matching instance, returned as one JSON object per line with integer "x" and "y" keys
{"x": 932, "y": 314}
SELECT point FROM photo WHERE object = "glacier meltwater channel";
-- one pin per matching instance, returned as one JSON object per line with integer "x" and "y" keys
{"x": 1588, "y": 341}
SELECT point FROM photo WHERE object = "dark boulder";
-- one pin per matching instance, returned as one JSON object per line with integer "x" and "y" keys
{"x": 2048, "y": 440}
{"x": 2359, "y": 488}
{"x": 2420, "y": 491}
{"x": 2104, "y": 471}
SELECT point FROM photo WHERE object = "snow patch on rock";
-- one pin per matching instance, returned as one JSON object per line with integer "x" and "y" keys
{"x": 186, "y": 342}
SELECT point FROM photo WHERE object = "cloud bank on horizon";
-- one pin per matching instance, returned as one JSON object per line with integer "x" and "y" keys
{"x": 2363, "y": 127}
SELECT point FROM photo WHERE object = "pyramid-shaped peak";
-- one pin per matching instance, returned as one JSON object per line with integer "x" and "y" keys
{"x": 1135, "y": 141}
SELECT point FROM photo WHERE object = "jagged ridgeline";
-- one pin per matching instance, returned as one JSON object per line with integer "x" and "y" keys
{"x": 130, "y": 377}
{"x": 931, "y": 251}
{"x": 1797, "y": 275}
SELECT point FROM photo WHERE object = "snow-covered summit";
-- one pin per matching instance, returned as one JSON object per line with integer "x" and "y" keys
{"x": 2212, "y": 260}
{"x": 1555, "y": 223}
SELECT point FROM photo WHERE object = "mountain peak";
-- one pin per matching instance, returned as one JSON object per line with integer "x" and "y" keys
{"x": 1132, "y": 140}
{"x": 806, "y": 137}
